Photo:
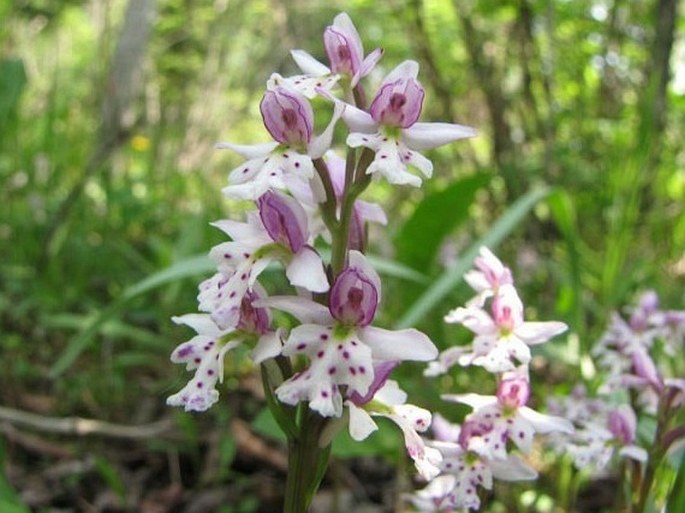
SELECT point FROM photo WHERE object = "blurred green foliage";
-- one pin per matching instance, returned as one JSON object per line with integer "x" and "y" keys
{"x": 564, "y": 93}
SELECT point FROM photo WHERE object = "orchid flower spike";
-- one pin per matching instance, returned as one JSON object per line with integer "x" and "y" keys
{"x": 391, "y": 129}
{"x": 289, "y": 118}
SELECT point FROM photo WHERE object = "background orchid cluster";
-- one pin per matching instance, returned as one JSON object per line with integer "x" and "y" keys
{"x": 483, "y": 447}
{"x": 641, "y": 370}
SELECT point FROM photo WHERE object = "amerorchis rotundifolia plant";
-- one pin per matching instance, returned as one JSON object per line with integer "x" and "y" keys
{"x": 333, "y": 369}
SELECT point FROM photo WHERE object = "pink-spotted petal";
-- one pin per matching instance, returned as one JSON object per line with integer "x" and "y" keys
{"x": 201, "y": 323}
{"x": 407, "y": 344}
{"x": 475, "y": 401}
{"x": 426, "y": 136}
{"x": 361, "y": 425}
{"x": 533, "y": 333}
{"x": 308, "y": 64}
{"x": 268, "y": 346}
{"x": 306, "y": 270}
{"x": 252, "y": 151}
{"x": 303, "y": 309}
{"x": 546, "y": 423}
{"x": 512, "y": 469}
{"x": 359, "y": 121}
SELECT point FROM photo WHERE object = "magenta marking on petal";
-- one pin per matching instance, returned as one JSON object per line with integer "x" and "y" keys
{"x": 301, "y": 346}
{"x": 185, "y": 351}
{"x": 320, "y": 354}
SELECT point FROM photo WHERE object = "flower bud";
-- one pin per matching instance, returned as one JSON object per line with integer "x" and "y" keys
{"x": 343, "y": 46}
{"x": 287, "y": 116}
{"x": 513, "y": 392}
{"x": 355, "y": 293}
{"x": 284, "y": 219}
{"x": 400, "y": 99}
{"x": 623, "y": 423}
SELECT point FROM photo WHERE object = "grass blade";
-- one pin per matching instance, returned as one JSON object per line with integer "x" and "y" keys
{"x": 189, "y": 267}
{"x": 444, "y": 285}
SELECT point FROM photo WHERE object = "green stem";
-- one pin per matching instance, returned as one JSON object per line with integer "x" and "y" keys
{"x": 657, "y": 454}
{"x": 306, "y": 463}
{"x": 329, "y": 206}
{"x": 356, "y": 180}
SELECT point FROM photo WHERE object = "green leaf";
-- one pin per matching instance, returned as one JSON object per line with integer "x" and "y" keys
{"x": 676, "y": 499}
{"x": 9, "y": 500}
{"x": 451, "y": 277}
{"x": 189, "y": 267}
{"x": 564, "y": 214}
{"x": 436, "y": 216}
{"x": 265, "y": 424}
{"x": 12, "y": 83}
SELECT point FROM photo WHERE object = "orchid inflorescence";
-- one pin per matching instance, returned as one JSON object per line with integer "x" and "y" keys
{"x": 638, "y": 361}
{"x": 332, "y": 369}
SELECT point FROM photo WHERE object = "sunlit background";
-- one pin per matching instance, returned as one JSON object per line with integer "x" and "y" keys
{"x": 109, "y": 113}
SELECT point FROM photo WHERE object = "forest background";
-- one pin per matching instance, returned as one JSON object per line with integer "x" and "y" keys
{"x": 109, "y": 112}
